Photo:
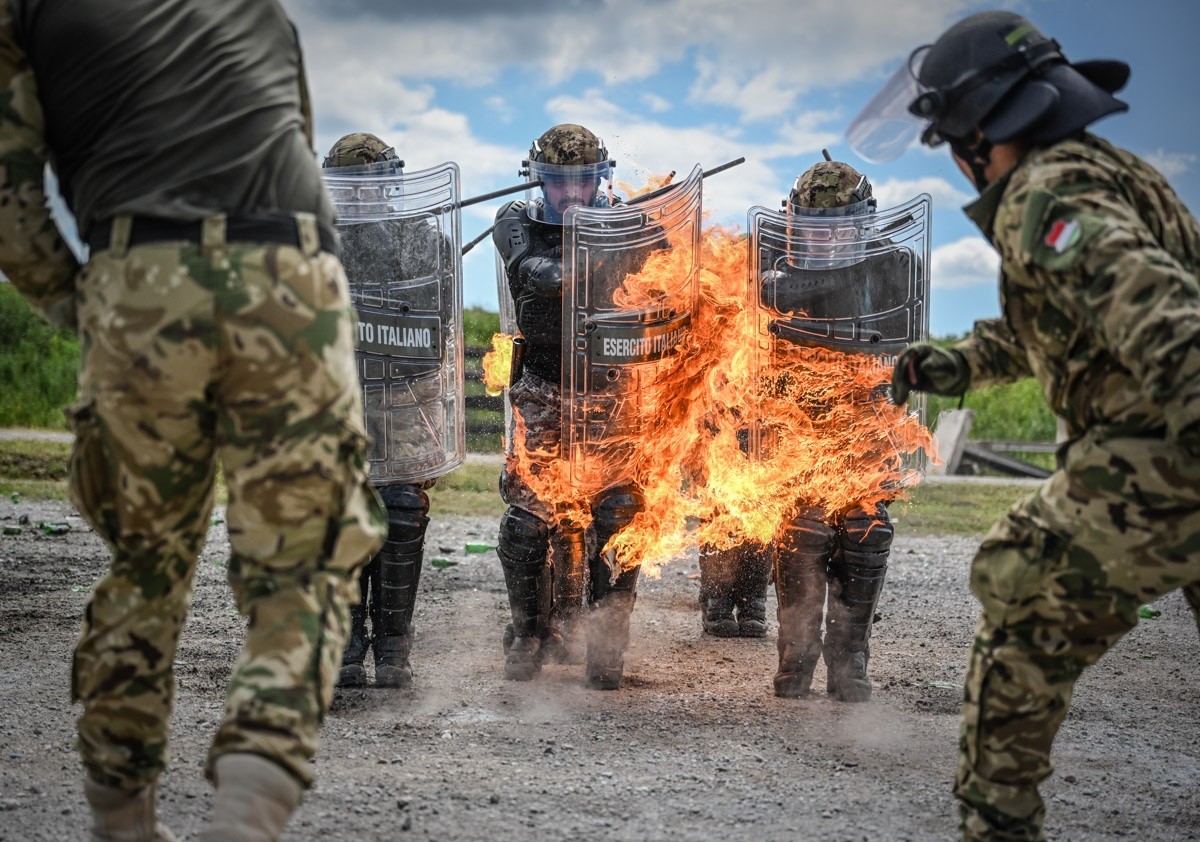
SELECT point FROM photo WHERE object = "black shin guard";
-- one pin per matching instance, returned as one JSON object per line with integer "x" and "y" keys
{"x": 612, "y": 600}
{"x": 563, "y": 639}
{"x": 801, "y": 573}
{"x": 857, "y": 575}
{"x": 399, "y": 575}
{"x": 524, "y": 544}
{"x": 400, "y": 559}
{"x": 608, "y": 631}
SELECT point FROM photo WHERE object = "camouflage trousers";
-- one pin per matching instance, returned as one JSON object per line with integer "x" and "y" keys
{"x": 191, "y": 354}
{"x": 1060, "y": 580}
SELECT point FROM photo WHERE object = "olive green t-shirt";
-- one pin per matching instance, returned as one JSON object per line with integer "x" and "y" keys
{"x": 176, "y": 109}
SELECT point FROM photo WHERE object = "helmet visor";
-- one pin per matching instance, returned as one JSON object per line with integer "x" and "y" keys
{"x": 829, "y": 238}
{"x": 567, "y": 187}
{"x": 885, "y": 127}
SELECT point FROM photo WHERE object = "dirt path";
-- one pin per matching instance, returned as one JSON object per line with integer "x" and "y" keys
{"x": 695, "y": 747}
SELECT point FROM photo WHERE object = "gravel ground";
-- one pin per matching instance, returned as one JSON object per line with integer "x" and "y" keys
{"x": 693, "y": 747}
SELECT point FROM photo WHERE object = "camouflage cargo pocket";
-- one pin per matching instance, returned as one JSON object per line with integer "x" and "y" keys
{"x": 1014, "y": 565}
{"x": 93, "y": 472}
{"x": 361, "y": 526}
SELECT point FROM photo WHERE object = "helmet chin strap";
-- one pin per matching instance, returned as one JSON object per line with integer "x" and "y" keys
{"x": 976, "y": 156}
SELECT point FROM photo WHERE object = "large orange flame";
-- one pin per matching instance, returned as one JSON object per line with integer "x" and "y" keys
{"x": 732, "y": 446}
{"x": 497, "y": 364}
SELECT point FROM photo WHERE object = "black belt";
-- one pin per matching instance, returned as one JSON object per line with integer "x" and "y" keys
{"x": 244, "y": 228}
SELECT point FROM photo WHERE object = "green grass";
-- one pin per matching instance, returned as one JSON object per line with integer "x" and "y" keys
{"x": 479, "y": 325}
{"x": 33, "y": 489}
{"x": 954, "y": 508}
{"x": 469, "y": 490}
{"x": 1016, "y": 412}
{"x": 38, "y": 366}
{"x": 34, "y": 469}
{"x": 37, "y": 470}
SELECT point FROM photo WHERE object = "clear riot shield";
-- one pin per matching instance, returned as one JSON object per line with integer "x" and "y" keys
{"x": 508, "y": 325}
{"x": 401, "y": 248}
{"x": 857, "y": 283}
{"x": 621, "y": 323}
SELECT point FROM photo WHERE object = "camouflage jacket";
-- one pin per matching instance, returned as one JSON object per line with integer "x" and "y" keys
{"x": 33, "y": 254}
{"x": 1098, "y": 288}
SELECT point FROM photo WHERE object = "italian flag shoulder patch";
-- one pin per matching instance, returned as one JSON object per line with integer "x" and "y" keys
{"x": 1062, "y": 235}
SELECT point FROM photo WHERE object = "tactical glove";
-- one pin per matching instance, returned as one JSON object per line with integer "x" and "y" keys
{"x": 926, "y": 368}
{"x": 543, "y": 276}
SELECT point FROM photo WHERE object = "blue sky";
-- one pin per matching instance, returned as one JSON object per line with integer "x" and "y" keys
{"x": 671, "y": 83}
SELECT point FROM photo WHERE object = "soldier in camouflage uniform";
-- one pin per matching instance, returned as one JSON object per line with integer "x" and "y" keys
{"x": 388, "y": 584}
{"x": 215, "y": 324}
{"x": 1101, "y": 304}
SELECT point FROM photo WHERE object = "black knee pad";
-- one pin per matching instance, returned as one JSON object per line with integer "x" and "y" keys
{"x": 615, "y": 510}
{"x": 866, "y": 536}
{"x": 524, "y": 537}
{"x": 407, "y": 507}
{"x": 808, "y": 538}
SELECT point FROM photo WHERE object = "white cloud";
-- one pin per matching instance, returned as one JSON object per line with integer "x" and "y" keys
{"x": 656, "y": 103}
{"x": 644, "y": 147}
{"x": 968, "y": 262}
{"x": 1171, "y": 164}
{"x": 756, "y": 57}
{"x": 500, "y": 107}
{"x": 895, "y": 191}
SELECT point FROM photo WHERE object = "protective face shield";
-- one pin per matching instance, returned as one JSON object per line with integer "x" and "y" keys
{"x": 565, "y": 187}
{"x": 573, "y": 166}
{"x": 365, "y": 178}
{"x": 828, "y": 238}
{"x": 994, "y": 70}
{"x": 830, "y": 210}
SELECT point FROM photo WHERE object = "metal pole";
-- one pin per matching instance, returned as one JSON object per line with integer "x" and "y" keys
{"x": 704, "y": 174}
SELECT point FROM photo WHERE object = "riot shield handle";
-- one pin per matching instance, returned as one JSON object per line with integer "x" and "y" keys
{"x": 728, "y": 165}
{"x": 518, "y": 359}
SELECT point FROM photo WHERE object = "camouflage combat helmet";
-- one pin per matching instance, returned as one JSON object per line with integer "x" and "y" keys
{"x": 357, "y": 149}
{"x": 829, "y": 184}
{"x": 568, "y": 144}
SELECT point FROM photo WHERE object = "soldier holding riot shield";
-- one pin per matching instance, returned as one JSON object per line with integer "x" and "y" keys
{"x": 402, "y": 260}
{"x": 831, "y": 273}
{"x": 558, "y": 521}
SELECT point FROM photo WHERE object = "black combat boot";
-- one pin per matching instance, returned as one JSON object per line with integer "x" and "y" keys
{"x": 352, "y": 672}
{"x": 564, "y": 638}
{"x": 856, "y": 575}
{"x": 399, "y": 575}
{"x": 752, "y": 580}
{"x": 524, "y": 543}
{"x": 717, "y": 601}
{"x": 800, "y": 582}
{"x": 608, "y": 633}
{"x": 391, "y": 660}
{"x": 612, "y": 600}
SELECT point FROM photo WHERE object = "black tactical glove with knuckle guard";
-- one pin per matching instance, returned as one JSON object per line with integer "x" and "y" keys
{"x": 543, "y": 275}
{"x": 923, "y": 367}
